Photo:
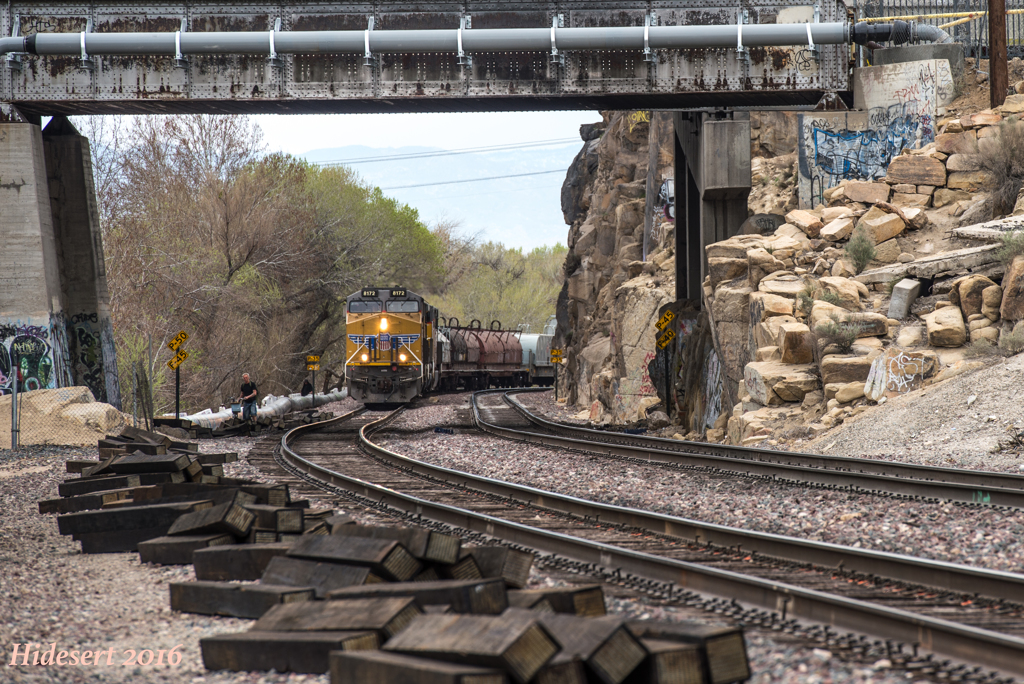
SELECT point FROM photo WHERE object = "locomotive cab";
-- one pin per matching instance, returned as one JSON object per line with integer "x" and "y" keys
{"x": 389, "y": 348}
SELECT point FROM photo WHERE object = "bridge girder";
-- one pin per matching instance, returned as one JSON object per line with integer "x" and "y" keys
{"x": 317, "y": 83}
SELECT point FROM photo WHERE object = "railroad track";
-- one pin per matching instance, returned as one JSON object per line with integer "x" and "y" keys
{"x": 759, "y": 589}
{"x": 904, "y": 480}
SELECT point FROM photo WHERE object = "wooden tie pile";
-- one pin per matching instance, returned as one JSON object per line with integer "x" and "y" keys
{"x": 392, "y": 605}
{"x": 165, "y": 500}
{"x": 387, "y": 605}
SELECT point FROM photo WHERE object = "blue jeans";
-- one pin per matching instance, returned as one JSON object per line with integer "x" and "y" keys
{"x": 249, "y": 409}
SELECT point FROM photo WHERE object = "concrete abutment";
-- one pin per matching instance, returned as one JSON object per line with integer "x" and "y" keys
{"x": 55, "y": 326}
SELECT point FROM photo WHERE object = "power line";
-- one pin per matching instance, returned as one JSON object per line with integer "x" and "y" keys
{"x": 474, "y": 180}
{"x": 504, "y": 191}
{"x": 446, "y": 153}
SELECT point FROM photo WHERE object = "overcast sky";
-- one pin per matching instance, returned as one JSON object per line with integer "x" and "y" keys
{"x": 519, "y": 212}
{"x": 297, "y": 134}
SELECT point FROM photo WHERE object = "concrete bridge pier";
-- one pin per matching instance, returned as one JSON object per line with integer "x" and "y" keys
{"x": 55, "y": 327}
{"x": 712, "y": 172}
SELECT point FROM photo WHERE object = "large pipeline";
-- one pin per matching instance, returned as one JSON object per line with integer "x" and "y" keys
{"x": 273, "y": 406}
{"x": 467, "y": 41}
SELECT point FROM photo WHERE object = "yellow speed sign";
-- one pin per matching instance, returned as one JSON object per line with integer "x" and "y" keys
{"x": 178, "y": 359}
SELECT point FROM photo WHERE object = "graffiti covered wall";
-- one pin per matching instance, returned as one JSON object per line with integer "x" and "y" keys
{"x": 33, "y": 352}
{"x": 89, "y": 349}
{"x": 896, "y": 108}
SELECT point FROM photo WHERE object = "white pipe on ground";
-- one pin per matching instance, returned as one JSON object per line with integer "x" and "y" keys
{"x": 272, "y": 406}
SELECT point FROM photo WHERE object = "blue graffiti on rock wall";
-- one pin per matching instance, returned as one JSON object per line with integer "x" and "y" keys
{"x": 33, "y": 356}
{"x": 841, "y": 154}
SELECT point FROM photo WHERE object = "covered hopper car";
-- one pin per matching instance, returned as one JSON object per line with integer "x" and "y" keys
{"x": 398, "y": 347}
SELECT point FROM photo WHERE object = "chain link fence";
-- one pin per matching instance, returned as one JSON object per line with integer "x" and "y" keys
{"x": 70, "y": 416}
{"x": 965, "y": 20}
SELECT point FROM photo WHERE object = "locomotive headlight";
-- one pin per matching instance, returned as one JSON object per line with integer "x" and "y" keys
{"x": 402, "y": 357}
{"x": 365, "y": 357}
{"x": 383, "y": 324}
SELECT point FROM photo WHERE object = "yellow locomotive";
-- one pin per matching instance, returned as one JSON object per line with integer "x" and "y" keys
{"x": 398, "y": 348}
{"x": 390, "y": 351}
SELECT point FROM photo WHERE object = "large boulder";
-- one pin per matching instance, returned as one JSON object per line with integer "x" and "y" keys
{"x": 723, "y": 270}
{"x": 822, "y": 312}
{"x": 916, "y": 170}
{"x": 1012, "y": 308}
{"x": 867, "y": 192}
{"x": 968, "y": 180}
{"x": 897, "y": 371}
{"x": 731, "y": 304}
{"x": 871, "y": 324}
{"x": 946, "y": 327}
{"x": 965, "y": 142}
{"x": 967, "y": 293}
{"x": 845, "y": 289}
{"x": 962, "y": 162}
{"x": 838, "y": 229}
{"x": 884, "y": 227}
{"x": 845, "y": 369}
{"x": 764, "y": 305}
{"x": 759, "y": 264}
{"x": 944, "y": 196}
{"x": 761, "y": 378}
{"x": 991, "y": 299}
{"x": 805, "y": 221}
{"x": 766, "y": 333}
{"x": 785, "y": 285}
{"x": 795, "y": 343}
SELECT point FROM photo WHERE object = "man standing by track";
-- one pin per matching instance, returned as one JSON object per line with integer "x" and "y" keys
{"x": 248, "y": 398}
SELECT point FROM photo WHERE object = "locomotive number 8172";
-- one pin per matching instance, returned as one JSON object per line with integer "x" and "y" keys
{"x": 398, "y": 347}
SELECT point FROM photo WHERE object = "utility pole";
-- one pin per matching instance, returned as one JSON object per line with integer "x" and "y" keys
{"x": 998, "y": 79}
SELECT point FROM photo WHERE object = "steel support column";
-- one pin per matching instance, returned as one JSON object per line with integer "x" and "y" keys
{"x": 713, "y": 182}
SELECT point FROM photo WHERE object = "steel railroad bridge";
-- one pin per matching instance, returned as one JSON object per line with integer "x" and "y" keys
{"x": 707, "y": 60}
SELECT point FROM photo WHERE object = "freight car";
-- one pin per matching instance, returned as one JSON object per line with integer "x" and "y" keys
{"x": 537, "y": 355}
{"x": 398, "y": 347}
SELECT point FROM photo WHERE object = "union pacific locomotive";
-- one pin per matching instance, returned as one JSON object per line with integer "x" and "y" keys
{"x": 399, "y": 347}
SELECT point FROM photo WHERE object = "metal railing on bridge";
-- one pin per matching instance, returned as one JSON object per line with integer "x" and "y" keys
{"x": 965, "y": 20}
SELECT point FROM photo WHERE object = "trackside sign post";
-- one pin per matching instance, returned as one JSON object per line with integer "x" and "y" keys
{"x": 556, "y": 360}
{"x": 313, "y": 364}
{"x": 175, "y": 365}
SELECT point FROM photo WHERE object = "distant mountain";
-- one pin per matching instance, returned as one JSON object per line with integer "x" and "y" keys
{"x": 518, "y": 212}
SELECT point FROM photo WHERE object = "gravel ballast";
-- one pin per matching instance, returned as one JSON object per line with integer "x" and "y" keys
{"x": 958, "y": 423}
{"x": 984, "y": 537}
{"x": 51, "y": 593}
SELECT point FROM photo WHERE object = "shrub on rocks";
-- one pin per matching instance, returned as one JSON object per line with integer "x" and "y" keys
{"x": 1004, "y": 163}
{"x": 840, "y": 333}
{"x": 860, "y": 249}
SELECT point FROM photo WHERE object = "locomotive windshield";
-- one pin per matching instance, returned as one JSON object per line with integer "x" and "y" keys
{"x": 399, "y": 306}
{"x": 364, "y": 307}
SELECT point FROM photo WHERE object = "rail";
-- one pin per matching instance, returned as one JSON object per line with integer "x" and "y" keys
{"x": 836, "y": 472}
{"x": 994, "y": 650}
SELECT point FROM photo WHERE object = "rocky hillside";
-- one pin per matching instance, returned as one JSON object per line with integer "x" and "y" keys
{"x": 612, "y": 296}
{"x": 888, "y": 287}
{"x": 828, "y": 337}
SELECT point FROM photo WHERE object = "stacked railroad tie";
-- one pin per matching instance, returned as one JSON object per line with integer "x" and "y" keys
{"x": 399, "y": 604}
{"x": 166, "y": 500}
{"x": 366, "y": 603}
